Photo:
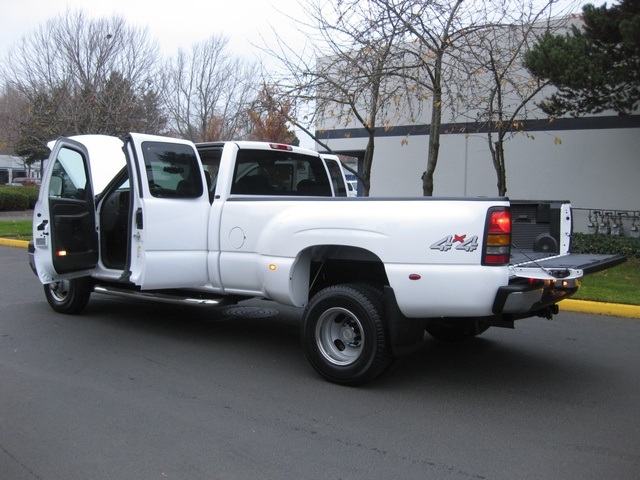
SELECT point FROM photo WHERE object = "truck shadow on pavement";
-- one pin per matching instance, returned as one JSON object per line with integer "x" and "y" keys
{"x": 267, "y": 329}
{"x": 484, "y": 364}
{"x": 261, "y": 324}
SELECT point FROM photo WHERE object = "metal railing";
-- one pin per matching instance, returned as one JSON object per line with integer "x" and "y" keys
{"x": 623, "y": 223}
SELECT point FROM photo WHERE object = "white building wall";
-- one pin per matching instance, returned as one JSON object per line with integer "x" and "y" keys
{"x": 595, "y": 169}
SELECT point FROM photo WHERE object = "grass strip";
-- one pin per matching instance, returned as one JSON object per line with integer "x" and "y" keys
{"x": 620, "y": 284}
{"x": 16, "y": 229}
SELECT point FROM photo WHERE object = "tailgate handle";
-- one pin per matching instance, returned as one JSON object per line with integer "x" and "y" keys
{"x": 559, "y": 273}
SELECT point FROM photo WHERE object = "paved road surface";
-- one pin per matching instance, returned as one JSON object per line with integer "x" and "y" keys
{"x": 10, "y": 216}
{"x": 139, "y": 391}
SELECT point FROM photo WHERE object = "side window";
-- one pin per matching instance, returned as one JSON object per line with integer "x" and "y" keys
{"x": 264, "y": 172}
{"x": 337, "y": 180}
{"x": 210, "y": 158}
{"x": 69, "y": 177}
{"x": 173, "y": 170}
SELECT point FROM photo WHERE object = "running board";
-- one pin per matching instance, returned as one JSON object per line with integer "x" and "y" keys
{"x": 160, "y": 297}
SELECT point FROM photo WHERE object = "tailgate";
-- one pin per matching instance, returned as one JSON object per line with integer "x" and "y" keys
{"x": 565, "y": 266}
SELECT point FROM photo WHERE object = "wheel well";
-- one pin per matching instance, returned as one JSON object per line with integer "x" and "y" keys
{"x": 336, "y": 264}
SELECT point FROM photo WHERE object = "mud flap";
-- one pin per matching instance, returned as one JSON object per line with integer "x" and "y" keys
{"x": 405, "y": 334}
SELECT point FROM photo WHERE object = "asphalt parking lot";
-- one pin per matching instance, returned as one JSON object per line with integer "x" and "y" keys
{"x": 131, "y": 390}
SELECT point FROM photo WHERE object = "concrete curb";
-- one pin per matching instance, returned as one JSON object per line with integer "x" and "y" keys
{"x": 598, "y": 308}
{"x": 9, "y": 242}
{"x": 601, "y": 308}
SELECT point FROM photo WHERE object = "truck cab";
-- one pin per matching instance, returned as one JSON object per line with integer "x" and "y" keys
{"x": 107, "y": 204}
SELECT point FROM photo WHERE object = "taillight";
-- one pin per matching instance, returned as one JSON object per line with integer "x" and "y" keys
{"x": 497, "y": 242}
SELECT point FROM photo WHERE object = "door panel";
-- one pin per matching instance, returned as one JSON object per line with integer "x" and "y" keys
{"x": 171, "y": 204}
{"x": 65, "y": 237}
{"x": 74, "y": 237}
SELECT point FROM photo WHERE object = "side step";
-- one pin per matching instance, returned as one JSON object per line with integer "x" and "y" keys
{"x": 162, "y": 297}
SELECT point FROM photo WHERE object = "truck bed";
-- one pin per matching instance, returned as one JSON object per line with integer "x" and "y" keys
{"x": 541, "y": 239}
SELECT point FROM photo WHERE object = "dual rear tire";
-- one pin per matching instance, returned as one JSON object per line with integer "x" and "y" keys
{"x": 344, "y": 334}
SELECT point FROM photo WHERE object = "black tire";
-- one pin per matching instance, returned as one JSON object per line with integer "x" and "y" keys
{"x": 455, "y": 329}
{"x": 68, "y": 296}
{"x": 344, "y": 334}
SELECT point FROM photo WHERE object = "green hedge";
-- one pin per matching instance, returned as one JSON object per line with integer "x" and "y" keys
{"x": 17, "y": 198}
{"x": 605, "y": 245}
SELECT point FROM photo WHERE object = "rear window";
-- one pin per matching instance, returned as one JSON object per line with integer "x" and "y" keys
{"x": 265, "y": 172}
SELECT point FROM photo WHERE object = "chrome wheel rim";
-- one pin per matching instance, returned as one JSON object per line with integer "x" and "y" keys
{"x": 339, "y": 336}
{"x": 60, "y": 290}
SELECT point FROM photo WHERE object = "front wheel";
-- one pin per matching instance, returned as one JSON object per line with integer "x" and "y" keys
{"x": 344, "y": 334}
{"x": 68, "y": 296}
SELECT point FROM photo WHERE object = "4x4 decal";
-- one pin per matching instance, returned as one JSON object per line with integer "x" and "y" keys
{"x": 447, "y": 243}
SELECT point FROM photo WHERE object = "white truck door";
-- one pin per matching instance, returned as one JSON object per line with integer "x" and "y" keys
{"x": 171, "y": 208}
{"x": 64, "y": 227}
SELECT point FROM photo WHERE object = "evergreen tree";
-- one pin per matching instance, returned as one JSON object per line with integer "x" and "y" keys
{"x": 596, "y": 67}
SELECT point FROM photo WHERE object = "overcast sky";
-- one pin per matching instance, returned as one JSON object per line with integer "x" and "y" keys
{"x": 174, "y": 24}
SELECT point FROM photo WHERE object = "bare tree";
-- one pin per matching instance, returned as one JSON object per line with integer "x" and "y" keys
{"x": 436, "y": 30}
{"x": 432, "y": 40}
{"x": 344, "y": 77}
{"x": 494, "y": 87}
{"x": 77, "y": 75}
{"x": 207, "y": 91}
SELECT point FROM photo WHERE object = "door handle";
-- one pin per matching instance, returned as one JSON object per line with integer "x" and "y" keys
{"x": 139, "y": 222}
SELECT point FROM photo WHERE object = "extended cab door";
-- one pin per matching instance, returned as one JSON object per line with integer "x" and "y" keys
{"x": 64, "y": 228}
{"x": 169, "y": 229}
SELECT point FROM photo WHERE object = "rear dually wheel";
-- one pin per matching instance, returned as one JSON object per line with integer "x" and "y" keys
{"x": 344, "y": 333}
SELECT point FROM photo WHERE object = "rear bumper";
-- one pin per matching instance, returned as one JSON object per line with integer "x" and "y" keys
{"x": 539, "y": 284}
{"x": 524, "y": 297}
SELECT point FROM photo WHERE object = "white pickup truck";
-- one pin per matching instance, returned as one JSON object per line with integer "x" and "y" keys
{"x": 211, "y": 224}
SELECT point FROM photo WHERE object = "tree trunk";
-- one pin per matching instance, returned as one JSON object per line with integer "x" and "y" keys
{"x": 434, "y": 141}
{"x": 367, "y": 162}
{"x": 497, "y": 155}
{"x": 501, "y": 170}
